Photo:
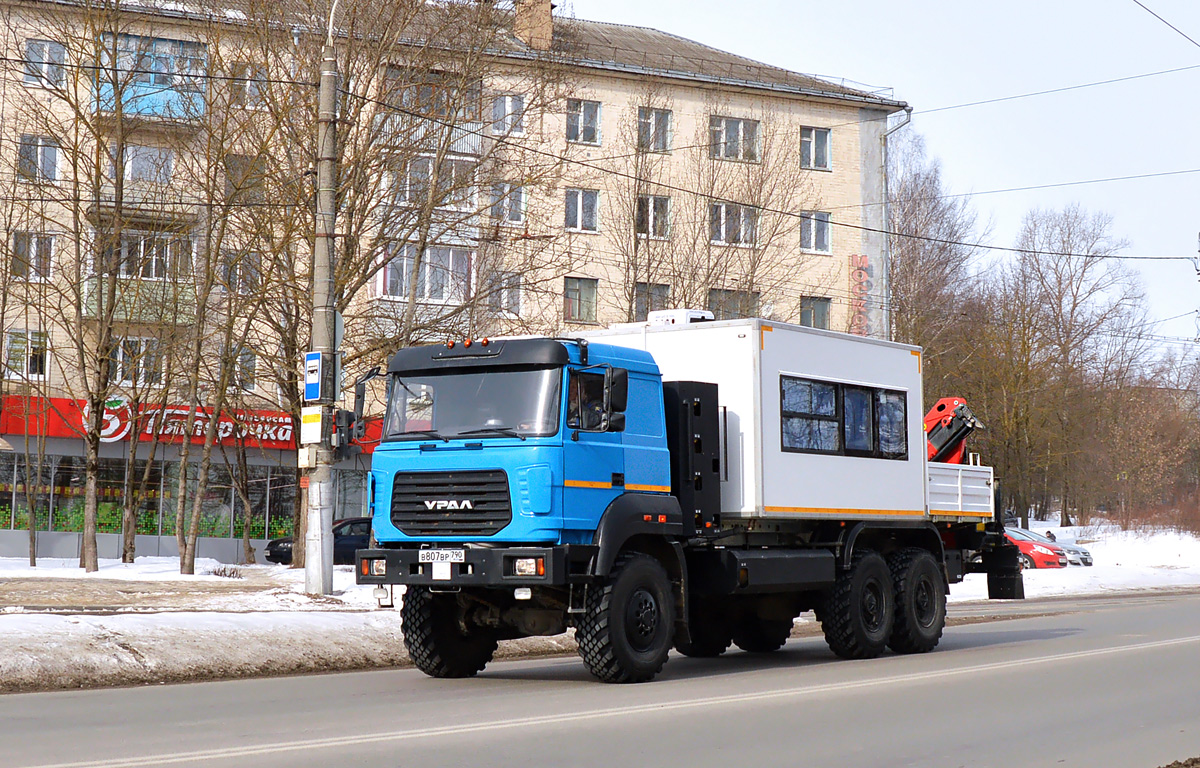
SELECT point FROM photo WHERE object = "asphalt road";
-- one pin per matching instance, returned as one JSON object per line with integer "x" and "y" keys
{"x": 1106, "y": 682}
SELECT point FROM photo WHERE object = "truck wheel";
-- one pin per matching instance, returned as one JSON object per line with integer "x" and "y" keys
{"x": 858, "y": 612}
{"x": 624, "y": 634}
{"x": 758, "y": 635}
{"x": 920, "y": 601}
{"x": 709, "y": 628}
{"x": 436, "y": 643}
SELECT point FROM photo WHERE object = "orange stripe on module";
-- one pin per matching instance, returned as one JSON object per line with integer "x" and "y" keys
{"x": 654, "y": 488}
{"x": 952, "y": 513}
{"x": 917, "y": 355}
{"x": 586, "y": 484}
{"x": 847, "y": 512}
{"x": 762, "y": 336}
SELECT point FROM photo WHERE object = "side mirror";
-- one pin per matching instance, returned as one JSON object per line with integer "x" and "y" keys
{"x": 616, "y": 391}
{"x": 616, "y": 422}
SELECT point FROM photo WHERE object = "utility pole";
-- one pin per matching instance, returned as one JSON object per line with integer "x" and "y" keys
{"x": 318, "y": 539}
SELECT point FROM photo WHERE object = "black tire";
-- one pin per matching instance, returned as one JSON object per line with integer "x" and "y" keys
{"x": 625, "y": 631}
{"x": 859, "y": 610}
{"x": 1027, "y": 562}
{"x": 920, "y": 601}
{"x": 435, "y": 642}
{"x": 758, "y": 635}
{"x": 710, "y": 631}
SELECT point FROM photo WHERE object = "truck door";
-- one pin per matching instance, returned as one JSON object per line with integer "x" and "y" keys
{"x": 594, "y": 463}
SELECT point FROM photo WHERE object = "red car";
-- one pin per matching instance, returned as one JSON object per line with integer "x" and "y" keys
{"x": 1035, "y": 554}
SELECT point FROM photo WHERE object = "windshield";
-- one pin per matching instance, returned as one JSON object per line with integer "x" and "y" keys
{"x": 480, "y": 404}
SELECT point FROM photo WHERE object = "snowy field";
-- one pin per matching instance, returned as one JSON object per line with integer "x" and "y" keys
{"x": 209, "y": 626}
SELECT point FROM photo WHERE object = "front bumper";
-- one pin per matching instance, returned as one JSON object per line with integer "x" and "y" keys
{"x": 481, "y": 567}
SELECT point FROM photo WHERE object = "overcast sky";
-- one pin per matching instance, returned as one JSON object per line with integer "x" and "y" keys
{"x": 938, "y": 54}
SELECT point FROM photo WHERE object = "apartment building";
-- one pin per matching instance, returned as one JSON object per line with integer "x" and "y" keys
{"x": 525, "y": 173}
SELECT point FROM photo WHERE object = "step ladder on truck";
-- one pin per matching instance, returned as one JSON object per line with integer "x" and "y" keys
{"x": 679, "y": 483}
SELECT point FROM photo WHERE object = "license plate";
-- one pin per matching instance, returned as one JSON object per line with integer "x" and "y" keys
{"x": 442, "y": 556}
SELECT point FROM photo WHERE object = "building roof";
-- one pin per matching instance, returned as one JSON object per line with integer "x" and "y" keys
{"x": 642, "y": 50}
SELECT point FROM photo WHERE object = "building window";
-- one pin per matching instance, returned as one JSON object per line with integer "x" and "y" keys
{"x": 733, "y": 138}
{"x": 649, "y": 297}
{"x": 248, "y": 87}
{"x": 31, "y": 254}
{"x": 579, "y": 299}
{"x": 37, "y": 158}
{"x": 455, "y": 178}
{"x": 582, "y": 214}
{"x": 508, "y": 114}
{"x": 814, "y": 231}
{"x": 151, "y": 255}
{"x": 170, "y": 64}
{"x": 136, "y": 362}
{"x": 583, "y": 121}
{"x": 241, "y": 271}
{"x": 814, "y": 312}
{"x": 654, "y": 129}
{"x": 814, "y": 149}
{"x": 437, "y": 94}
{"x": 733, "y": 224}
{"x": 505, "y": 293}
{"x": 842, "y": 419}
{"x": 245, "y": 177}
{"x": 508, "y": 203}
{"x": 244, "y": 362}
{"x": 729, "y": 305}
{"x": 44, "y": 60}
{"x": 25, "y": 354}
{"x": 443, "y": 275}
{"x": 652, "y": 217}
{"x": 146, "y": 164}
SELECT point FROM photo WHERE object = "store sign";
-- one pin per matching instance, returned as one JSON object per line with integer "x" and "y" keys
{"x": 63, "y": 417}
{"x": 860, "y": 295}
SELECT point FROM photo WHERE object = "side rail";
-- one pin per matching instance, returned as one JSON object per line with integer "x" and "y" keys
{"x": 960, "y": 491}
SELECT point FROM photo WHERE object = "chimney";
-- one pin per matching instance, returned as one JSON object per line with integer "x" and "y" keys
{"x": 533, "y": 25}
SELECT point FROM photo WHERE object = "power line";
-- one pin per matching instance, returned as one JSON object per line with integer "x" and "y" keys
{"x": 792, "y": 214}
{"x": 1169, "y": 24}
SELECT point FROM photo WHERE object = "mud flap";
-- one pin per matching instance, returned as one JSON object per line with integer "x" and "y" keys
{"x": 1003, "y": 567}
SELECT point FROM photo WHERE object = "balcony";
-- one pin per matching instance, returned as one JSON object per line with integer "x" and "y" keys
{"x": 142, "y": 300}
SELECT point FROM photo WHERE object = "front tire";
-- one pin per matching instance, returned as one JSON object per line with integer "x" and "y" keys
{"x": 625, "y": 632}
{"x": 436, "y": 642}
{"x": 1027, "y": 562}
{"x": 920, "y": 601}
{"x": 859, "y": 610}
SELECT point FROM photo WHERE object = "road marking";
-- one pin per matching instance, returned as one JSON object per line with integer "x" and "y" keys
{"x": 639, "y": 709}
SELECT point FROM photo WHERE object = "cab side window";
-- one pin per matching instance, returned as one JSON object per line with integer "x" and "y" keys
{"x": 585, "y": 400}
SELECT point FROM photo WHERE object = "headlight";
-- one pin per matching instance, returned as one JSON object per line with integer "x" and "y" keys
{"x": 529, "y": 566}
{"x": 1042, "y": 550}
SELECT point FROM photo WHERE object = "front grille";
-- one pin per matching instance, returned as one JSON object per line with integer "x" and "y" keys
{"x": 432, "y": 503}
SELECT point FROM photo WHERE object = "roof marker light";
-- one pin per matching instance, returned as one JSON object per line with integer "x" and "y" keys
{"x": 467, "y": 343}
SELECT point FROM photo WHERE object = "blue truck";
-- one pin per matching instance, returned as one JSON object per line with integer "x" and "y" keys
{"x": 656, "y": 487}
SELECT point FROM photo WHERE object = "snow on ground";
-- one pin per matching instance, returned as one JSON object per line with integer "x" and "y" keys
{"x": 171, "y": 627}
{"x": 1125, "y": 560}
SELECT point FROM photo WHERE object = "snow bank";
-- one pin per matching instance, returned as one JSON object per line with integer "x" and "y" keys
{"x": 1125, "y": 561}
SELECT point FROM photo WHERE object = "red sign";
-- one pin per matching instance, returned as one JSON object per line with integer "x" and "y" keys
{"x": 63, "y": 417}
{"x": 860, "y": 290}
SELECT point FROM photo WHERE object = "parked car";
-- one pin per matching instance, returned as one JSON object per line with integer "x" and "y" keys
{"x": 1076, "y": 555}
{"x": 1035, "y": 554}
{"x": 350, "y": 534}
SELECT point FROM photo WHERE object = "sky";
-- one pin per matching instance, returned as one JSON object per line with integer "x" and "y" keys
{"x": 938, "y": 54}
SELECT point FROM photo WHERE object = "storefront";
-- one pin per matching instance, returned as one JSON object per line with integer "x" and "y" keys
{"x": 44, "y": 473}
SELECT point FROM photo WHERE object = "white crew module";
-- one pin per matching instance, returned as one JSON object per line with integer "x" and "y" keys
{"x": 814, "y": 424}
